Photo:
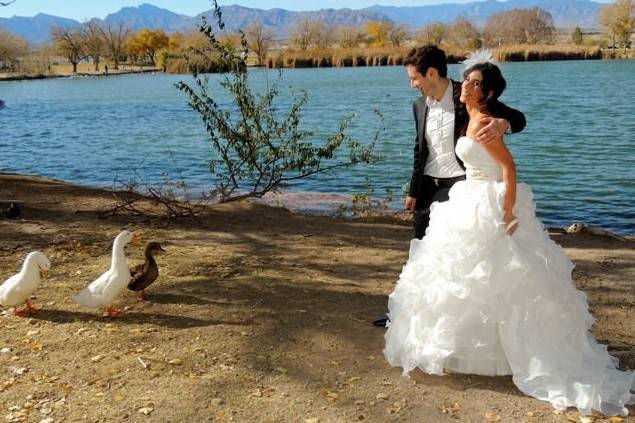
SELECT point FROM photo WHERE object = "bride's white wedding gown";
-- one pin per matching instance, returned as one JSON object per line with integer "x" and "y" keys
{"x": 472, "y": 299}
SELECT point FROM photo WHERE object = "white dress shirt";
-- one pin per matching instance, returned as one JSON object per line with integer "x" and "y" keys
{"x": 441, "y": 162}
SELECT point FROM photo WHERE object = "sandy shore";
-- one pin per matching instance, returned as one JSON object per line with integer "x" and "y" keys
{"x": 259, "y": 315}
{"x": 67, "y": 74}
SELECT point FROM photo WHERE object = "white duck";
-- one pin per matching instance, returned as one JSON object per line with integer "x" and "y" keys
{"x": 19, "y": 287}
{"x": 103, "y": 290}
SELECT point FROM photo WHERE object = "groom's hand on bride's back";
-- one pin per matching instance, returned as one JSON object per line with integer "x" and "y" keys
{"x": 410, "y": 204}
{"x": 493, "y": 129}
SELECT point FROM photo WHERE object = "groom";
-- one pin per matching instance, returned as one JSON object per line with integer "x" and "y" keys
{"x": 440, "y": 120}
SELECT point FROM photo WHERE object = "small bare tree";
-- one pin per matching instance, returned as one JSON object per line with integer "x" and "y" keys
{"x": 520, "y": 26}
{"x": 464, "y": 35}
{"x": 302, "y": 35}
{"x": 259, "y": 40}
{"x": 433, "y": 33}
{"x": 257, "y": 138}
{"x": 71, "y": 43}
{"x": 349, "y": 36}
{"x": 115, "y": 37}
{"x": 94, "y": 42}
{"x": 323, "y": 34}
{"x": 398, "y": 34}
{"x": 11, "y": 48}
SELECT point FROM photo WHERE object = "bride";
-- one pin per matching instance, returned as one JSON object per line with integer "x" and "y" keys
{"x": 487, "y": 292}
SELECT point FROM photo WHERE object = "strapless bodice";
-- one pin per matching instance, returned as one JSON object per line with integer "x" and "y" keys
{"x": 479, "y": 165}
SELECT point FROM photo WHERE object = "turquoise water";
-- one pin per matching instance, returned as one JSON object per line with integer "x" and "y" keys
{"x": 577, "y": 150}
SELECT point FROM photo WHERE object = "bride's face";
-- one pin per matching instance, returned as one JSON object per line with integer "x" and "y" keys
{"x": 471, "y": 91}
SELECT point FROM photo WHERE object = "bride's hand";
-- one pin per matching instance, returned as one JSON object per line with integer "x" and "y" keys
{"x": 511, "y": 223}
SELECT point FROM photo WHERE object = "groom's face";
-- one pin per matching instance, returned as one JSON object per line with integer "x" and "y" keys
{"x": 419, "y": 81}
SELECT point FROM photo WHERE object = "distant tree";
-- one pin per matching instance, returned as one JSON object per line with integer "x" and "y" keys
{"x": 147, "y": 42}
{"x": 259, "y": 40}
{"x": 398, "y": 34}
{"x": 433, "y": 33}
{"x": 349, "y": 36}
{"x": 11, "y": 48}
{"x": 323, "y": 34}
{"x": 576, "y": 36}
{"x": 464, "y": 35}
{"x": 520, "y": 26}
{"x": 378, "y": 33}
{"x": 301, "y": 34}
{"x": 115, "y": 38}
{"x": 70, "y": 42}
{"x": 94, "y": 42}
{"x": 618, "y": 21}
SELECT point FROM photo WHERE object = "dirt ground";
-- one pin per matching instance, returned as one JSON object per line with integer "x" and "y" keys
{"x": 259, "y": 315}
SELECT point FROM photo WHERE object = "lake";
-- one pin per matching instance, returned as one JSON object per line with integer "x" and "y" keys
{"x": 577, "y": 150}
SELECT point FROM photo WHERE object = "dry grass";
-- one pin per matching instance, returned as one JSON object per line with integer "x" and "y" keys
{"x": 532, "y": 52}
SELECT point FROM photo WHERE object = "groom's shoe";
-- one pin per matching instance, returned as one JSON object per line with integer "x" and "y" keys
{"x": 381, "y": 323}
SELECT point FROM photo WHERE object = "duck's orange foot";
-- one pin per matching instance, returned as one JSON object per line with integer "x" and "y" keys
{"x": 113, "y": 312}
{"x": 20, "y": 313}
{"x": 31, "y": 308}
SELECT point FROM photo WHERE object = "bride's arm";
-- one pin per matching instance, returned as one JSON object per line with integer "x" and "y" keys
{"x": 503, "y": 157}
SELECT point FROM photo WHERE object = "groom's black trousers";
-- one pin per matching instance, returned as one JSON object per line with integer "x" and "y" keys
{"x": 434, "y": 189}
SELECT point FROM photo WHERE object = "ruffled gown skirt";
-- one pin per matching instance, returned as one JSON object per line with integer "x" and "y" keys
{"x": 472, "y": 299}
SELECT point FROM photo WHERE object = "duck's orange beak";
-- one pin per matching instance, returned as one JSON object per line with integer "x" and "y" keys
{"x": 136, "y": 238}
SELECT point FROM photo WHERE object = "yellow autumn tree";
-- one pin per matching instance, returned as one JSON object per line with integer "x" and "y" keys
{"x": 378, "y": 33}
{"x": 145, "y": 44}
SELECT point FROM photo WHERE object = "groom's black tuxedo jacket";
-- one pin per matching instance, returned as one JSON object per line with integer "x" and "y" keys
{"x": 418, "y": 184}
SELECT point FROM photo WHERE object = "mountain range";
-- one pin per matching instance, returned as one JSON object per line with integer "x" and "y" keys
{"x": 566, "y": 13}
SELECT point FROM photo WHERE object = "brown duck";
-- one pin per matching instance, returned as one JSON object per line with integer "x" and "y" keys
{"x": 144, "y": 274}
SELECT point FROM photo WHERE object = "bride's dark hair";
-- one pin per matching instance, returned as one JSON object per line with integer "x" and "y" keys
{"x": 492, "y": 81}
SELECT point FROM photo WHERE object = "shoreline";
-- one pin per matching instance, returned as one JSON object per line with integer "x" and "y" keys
{"x": 30, "y": 77}
{"x": 306, "y": 203}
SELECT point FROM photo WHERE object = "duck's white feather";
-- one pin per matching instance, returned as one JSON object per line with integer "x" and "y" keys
{"x": 103, "y": 290}
{"x": 19, "y": 287}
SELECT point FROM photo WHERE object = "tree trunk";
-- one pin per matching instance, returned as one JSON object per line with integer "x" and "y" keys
{"x": 96, "y": 61}
{"x": 74, "y": 67}
{"x": 116, "y": 59}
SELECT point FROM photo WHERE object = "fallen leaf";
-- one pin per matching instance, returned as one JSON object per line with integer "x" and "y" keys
{"x": 19, "y": 370}
{"x": 47, "y": 420}
{"x": 312, "y": 420}
{"x": 332, "y": 396}
{"x": 616, "y": 419}
{"x": 97, "y": 358}
{"x": 176, "y": 361}
{"x": 586, "y": 419}
{"x": 146, "y": 410}
{"x": 491, "y": 417}
{"x": 382, "y": 396}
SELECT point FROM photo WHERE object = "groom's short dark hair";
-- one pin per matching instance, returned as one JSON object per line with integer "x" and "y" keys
{"x": 428, "y": 56}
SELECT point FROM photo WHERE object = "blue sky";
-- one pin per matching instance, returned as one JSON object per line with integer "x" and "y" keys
{"x": 82, "y": 9}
